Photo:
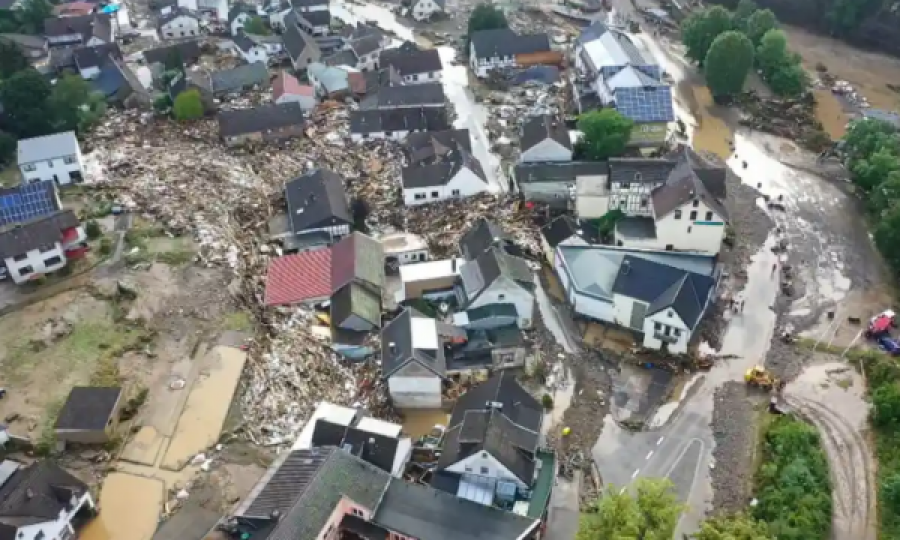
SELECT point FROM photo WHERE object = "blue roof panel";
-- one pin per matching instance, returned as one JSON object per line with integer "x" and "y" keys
{"x": 27, "y": 202}
{"x": 653, "y": 104}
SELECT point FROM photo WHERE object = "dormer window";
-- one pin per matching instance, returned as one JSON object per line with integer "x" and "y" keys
{"x": 696, "y": 203}
{"x": 637, "y": 177}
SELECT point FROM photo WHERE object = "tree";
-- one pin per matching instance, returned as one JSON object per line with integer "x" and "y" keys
{"x": 32, "y": 14}
{"x": 735, "y": 527}
{"x": 742, "y": 13}
{"x": 887, "y": 239}
{"x": 771, "y": 52}
{"x": 255, "y": 25}
{"x": 12, "y": 60}
{"x": 886, "y": 194}
{"x": 788, "y": 79}
{"x": 727, "y": 64}
{"x": 759, "y": 23}
{"x": 700, "y": 30}
{"x": 188, "y": 105}
{"x": 8, "y": 145}
{"x": 93, "y": 230}
{"x": 174, "y": 61}
{"x": 74, "y": 105}
{"x": 652, "y": 514}
{"x": 360, "y": 210}
{"x": 890, "y": 491}
{"x": 886, "y": 398}
{"x": 605, "y": 133}
{"x": 485, "y": 17}
{"x": 866, "y": 136}
{"x": 869, "y": 172}
{"x": 24, "y": 97}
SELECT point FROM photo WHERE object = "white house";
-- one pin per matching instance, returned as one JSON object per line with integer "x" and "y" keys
{"x": 659, "y": 295}
{"x": 412, "y": 64}
{"x": 41, "y": 245}
{"x": 412, "y": 361}
{"x": 456, "y": 176}
{"x": 238, "y": 16}
{"x": 545, "y": 138}
{"x": 179, "y": 23}
{"x": 396, "y": 124}
{"x": 54, "y": 157}
{"x": 250, "y": 50}
{"x": 499, "y": 48}
{"x": 404, "y": 248}
{"x": 495, "y": 277}
{"x": 423, "y": 10}
{"x": 366, "y": 49}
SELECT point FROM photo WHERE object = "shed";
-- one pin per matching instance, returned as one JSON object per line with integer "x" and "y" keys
{"x": 90, "y": 415}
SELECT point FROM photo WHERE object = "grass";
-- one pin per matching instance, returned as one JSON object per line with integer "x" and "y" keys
{"x": 238, "y": 321}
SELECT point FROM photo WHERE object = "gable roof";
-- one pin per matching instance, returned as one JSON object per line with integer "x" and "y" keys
{"x": 411, "y": 337}
{"x": 296, "y": 41}
{"x": 483, "y": 234}
{"x": 21, "y": 238}
{"x": 411, "y": 62}
{"x": 491, "y": 265}
{"x": 314, "y": 18}
{"x": 357, "y": 258}
{"x": 609, "y": 47}
{"x": 298, "y": 277}
{"x": 365, "y": 45}
{"x": 683, "y": 186}
{"x": 646, "y": 171}
{"x": 316, "y": 199}
{"x": 356, "y": 299}
{"x": 536, "y": 129}
{"x": 504, "y": 42}
{"x": 239, "y": 78}
{"x": 424, "y": 146}
{"x": 88, "y": 408}
{"x": 47, "y": 147}
{"x": 566, "y": 172}
{"x": 411, "y": 119}
{"x": 175, "y": 13}
{"x": 559, "y": 230}
{"x": 333, "y": 79}
{"x": 86, "y": 57}
{"x": 442, "y": 171}
{"x": 374, "y": 448}
{"x": 36, "y": 493}
{"x": 260, "y": 119}
{"x": 414, "y": 95}
{"x": 188, "y": 51}
{"x": 286, "y": 84}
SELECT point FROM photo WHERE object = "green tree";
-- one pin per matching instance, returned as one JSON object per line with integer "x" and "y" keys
{"x": 844, "y": 16}
{"x": 789, "y": 79}
{"x": 174, "y": 61}
{"x": 869, "y": 172}
{"x": 485, "y": 17}
{"x": 24, "y": 97}
{"x": 886, "y": 401}
{"x": 772, "y": 51}
{"x": 74, "y": 105}
{"x": 651, "y": 514}
{"x": 890, "y": 491}
{"x": 886, "y": 194}
{"x": 866, "y": 136}
{"x": 702, "y": 28}
{"x": 188, "y": 105}
{"x": 8, "y": 147}
{"x": 742, "y": 13}
{"x": 759, "y": 23}
{"x": 32, "y": 14}
{"x": 605, "y": 133}
{"x": 734, "y": 527}
{"x": 727, "y": 64}
{"x": 93, "y": 230}
{"x": 12, "y": 60}
{"x": 256, "y": 26}
{"x": 887, "y": 239}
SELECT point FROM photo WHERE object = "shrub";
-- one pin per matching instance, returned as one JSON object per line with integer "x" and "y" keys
{"x": 106, "y": 245}
{"x": 93, "y": 230}
{"x": 188, "y": 106}
{"x": 547, "y": 401}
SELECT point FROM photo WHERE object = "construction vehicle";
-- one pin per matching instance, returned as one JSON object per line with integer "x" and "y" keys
{"x": 759, "y": 377}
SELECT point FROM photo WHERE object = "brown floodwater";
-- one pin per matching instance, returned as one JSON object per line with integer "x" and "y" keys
{"x": 830, "y": 112}
{"x": 129, "y": 509}
{"x": 418, "y": 422}
{"x": 710, "y": 132}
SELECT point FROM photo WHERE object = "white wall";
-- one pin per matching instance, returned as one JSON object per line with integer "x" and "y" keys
{"x": 484, "y": 464}
{"x": 692, "y": 231}
{"x": 546, "y": 150}
{"x": 239, "y": 22}
{"x": 424, "y": 9}
{"x": 90, "y": 73}
{"x": 464, "y": 184}
{"x": 481, "y": 66}
{"x": 308, "y": 103}
{"x": 255, "y": 54}
{"x": 505, "y": 291}
{"x": 220, "y": 7}
{"x": 395, "y": 136}
{"x": 55, "y": 169}
{"x": 642, "y": 243}
{"x": 276, "y": 20}
{"x": 592, "y": 307}
{"x": 415, "y": 392}
{"x": 179, "y": 27}
{"x": 418, "y": 78}
{"x": 669, "y": 322}
{"x": 54, "y": 529}
{"x": 36, "y": 260}
{"x": 623, "y": 306}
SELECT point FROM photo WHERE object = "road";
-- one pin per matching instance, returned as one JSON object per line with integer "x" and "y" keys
{"x": 561, "y": 327}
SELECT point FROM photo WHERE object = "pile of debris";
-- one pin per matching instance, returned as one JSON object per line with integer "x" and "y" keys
{"x": 793, "y": 119}
{"x": 507, "y": 109}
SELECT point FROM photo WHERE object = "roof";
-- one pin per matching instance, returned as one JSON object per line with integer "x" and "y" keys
{"x": 237, "y": 9}
{"x": 244, "y": 42}
{"x": 47, "y": 147}
{"x": 37, "y": 493}
{"x": 412, "y": 62}
{"x": 25, "y": 41}
{"x": 356, "y": 299}
{"x": 648, "y": 103}
{"x": 399, "y": 346}
{"x": 375, "y": 448}
{"x": 307, "y": 486}
{"x": 611, "y": 48}
{"x": 564, "y": 171}
{"x": 537, "y": 129}
{"x": 86, "y": 57}
{"x": 360, "y": 29}
{"x": 300, "y": 277}
{"x": 110, "y": 80}
{"x": 296, "y": 41}
{"x": 413, "y": 95}
{"x": 647, "y": 171}
{"x": 316, "y": 199}
{"x": 28, "y": 201}
{"x": 559, "y": 230}
{"x": 358, "y": 258}
{"x": 333, "y": 79}
{"x": 187, "y": 51}
{"x": 88, "y": 408}
{"x": 97, "y": 25}
{"x": 365, "y": 45}
{"x": 344, "y": 57}
{"x": 636, "y": 228}
{"x": 442, "y": 171}
{"x": 46, "y": 230}
{"x": 509, "y": 431}
{"x": 504, "y": 42}
{"x": 425, "y": 146}
{"x": 175, "y": 13}
{"x": 686, "y": 184}
{"x": 285, "y": 83}
{"x": 316, "y": 18}
{"x": 483, "y": 234}
{"x": 412, "y": 119}
{"x": 491, "y": 265}
{"x": 239, "y": 78}
{"x": 260, "y": 119}
{"x": 419, "y": 511}
{"x": 357, "y": 81}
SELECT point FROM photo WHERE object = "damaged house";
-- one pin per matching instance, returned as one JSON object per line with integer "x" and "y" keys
{"x": 300, "y": 45}
{"x": 318, "y": 214}
{"x": 396, "y": 124}
{"x": 87, "y": 30}
{"x": 266, "y": 123}
{"x": 41, "y": 245}
{"x": 426, "y": 95}
{"x": 357, "y": 279}
{"x": 496, "y": 278}
{"x": 414, "y": 65}
{"x": 440, "y": 167}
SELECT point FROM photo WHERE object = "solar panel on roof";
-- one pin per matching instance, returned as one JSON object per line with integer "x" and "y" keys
{"x": 646, "y": 104}
{"x": 27, "y": 202}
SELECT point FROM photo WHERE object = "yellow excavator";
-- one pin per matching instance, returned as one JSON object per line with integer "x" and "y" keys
{"x": 759, "y": 377}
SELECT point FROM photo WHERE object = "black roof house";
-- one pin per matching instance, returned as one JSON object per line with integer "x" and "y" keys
{"x": 88, "y": 408}
{"x": 413, "y": 119}
{"x": 537, "y": 129}
{"x": 374, "y": 448}
{"x": 504, "y": 42}
{"x": 260, "y": 119}
{"x": 411, "y": 61}
{"x": 317, "y": 199}
{"x": 21, "y": 238}
{"x": 440, "y": 172}
{"x": 399, "y": 351}
{"x": 482, "y": 236}
{"x": 425, "y": 147}
{"x": 34, "y": 494}
{"x": 397, "y": 96}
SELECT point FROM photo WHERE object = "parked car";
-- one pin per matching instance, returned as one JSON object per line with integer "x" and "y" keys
{"x": 889, "y": 345}
{"x": 880, "y": 325}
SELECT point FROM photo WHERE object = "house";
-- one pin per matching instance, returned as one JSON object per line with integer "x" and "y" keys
{"x": 238, "y": 16}
{"x": 90, "y": 415}
{"x": 54, "y": 157}
{"x": 457, "y": 175}
{"x": 317, "y": 23}
{"x": 121, "y": 86}
{"x": 273, "y": 122}
{"x": 33, "y": 47}
{"x": 301, "y": 47}
{"x": 412, "y": 361}
{"x": 627, "y": 187}
{"x": 74, "y": 9}
{"x": 396, "y": 124}
{"x": 495, "y": 277}
{"x": 366, "y": 50}
{"x": 403, "y": 248}
{"x": 424, "y": 10}
{"x": 287, "y": 89}
{"x": 562, "y": 231}
{"x": 503, "y": 48}
{"x": 93, "y": 29}
{"x": 426, "y": 147}
{"x": 250, "y": 50}
{"x": 609, "y": 66}
{"x": 184, "y": 53}
{"x": 414, "y": 65}
{"x": 556, "y": 183}
{"x": 300, "y": 278}
{"x": 432, "y": 280}
{"x": 317, "y": 210}
{"x": 491, "y": 446}
{"x": 374, "y": 441}
{"x": 661, "y": 295}
{"x": 545, "y": 138}
{"x": 89, "y": 60}
{"x": 178, "y": 23}
{"x": 28, "y": 201}
{"x": 484, "y": 235}
{"x": 199, "y": 80}
{"x": 41, "y": 245}
{"x": 427, "y": 95}
{"x": 42, "y": 500}
{"x": 239, "y": 79}
{"x": 357, "y": 279}
{"x": 329, "y": 82}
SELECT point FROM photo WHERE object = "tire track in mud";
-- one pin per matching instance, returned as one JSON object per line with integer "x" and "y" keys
{"x": 850, "y": 467}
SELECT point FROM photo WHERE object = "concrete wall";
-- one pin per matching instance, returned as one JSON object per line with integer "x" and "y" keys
{"x": 57, "y": 169}
{"x": 666, "y": 323}
{"x": 415, "y": 392}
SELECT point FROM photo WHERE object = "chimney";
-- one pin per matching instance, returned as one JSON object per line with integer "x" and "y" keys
{"x": 626, "y": 267}
{"x": 392, "y": 347}
{"x": 453, "y": 265}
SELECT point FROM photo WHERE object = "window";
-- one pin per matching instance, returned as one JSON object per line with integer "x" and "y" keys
{"x": 501, "y": 296}
{"x": 657, "y": 326}
{"x": 20, "y": 258}
{"x": 696, "y": 203}
{"x": 709, "y": 216}
{"x": 49, "y": 162}
{"x": 485, "y": 470}
{"x": 52, "y": 261}
{"x": 419, "y": 196}
{"x": 626, "y": 185}
{"x": 29, "y": 167}
{"x": 676, "y": 332}
{"x": 693, "y": 215}
{"x": 677, "y": 214}
{"x": 622, "y": 203}
{"x": 690, "y": 229}
{"x": 644, "y": 202}
{"x": 415, "y": 77}
{"x": 669, "y": 247}
{"x": 455, "y": 192}
{"x": 356, "y": 512}
{"x": 468, "y": 469}
{"x": 669, "y": 314}
{"x": 388, "y": 133}
{"x": 637, "y": 177}
{"x": 434, "y": 194}
{"x": 68, "y": 160}
{"x": 25, "y": 270}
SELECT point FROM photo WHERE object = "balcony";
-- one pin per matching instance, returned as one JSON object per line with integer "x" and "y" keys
{"x": 665, "y": 338}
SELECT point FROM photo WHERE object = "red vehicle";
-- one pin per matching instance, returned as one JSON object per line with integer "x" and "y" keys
{"x": 880, "y": 325}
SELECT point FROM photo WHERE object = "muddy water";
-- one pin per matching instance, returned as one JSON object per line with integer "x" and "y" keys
{"x": 709, "y": 133}
{"x": 418, "y": 422}
{"x": 830, "y": 112}
{"x": 129, "y": 509}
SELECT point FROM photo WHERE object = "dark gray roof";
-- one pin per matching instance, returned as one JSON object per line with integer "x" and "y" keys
{"x": 565, "y": 172}
{"x": 260, "y": 119}
{"x": 97, "y": 25}
{"x": 692, "y": 179}
{"x": 343, "y": 57}
{"x": 663, "y": 287}
{"x": 358, "y": 30}
{"x": 376, "y": 79}
{"x": 425, "y": 146}
{"x": 488, "y": 267}
{"x": 483, "y": 234}
{"x": 88, "y": 408}
{"x": 240, "y": 78}
{"x": 560, "y": 229}
{"x": 365, "y": 45}
{"x": 412, "y": 119}
{"x": 239, "y": 8}
{"x": 418, "y": 511}
{"x": 505, "y": 42}
{"x": 356, "y": 299}
{"x": 47, "y": 230}
{"x": 189, "y": 51}
{"x": 399, "y": 332}
{"x": 536, "y": 129}
{"x": 296, "y": 41}
{"x": 86, "y": 57}
{"x": 317, "y": 199}
{"x": 648, "y": 171}
{"x": 173, "y": 14}
{"x": 374, "y": 448}
{"x": 414, "y": 95}
{"x": 411, "y": 62}
{"x": 442, "y": 171}
{"x": 307, "y": 487}
{"x": 316, "y": 18}
{"x": 37, "y": 493}
{"x": 636, "y": 227}
{"x": 243, "y": 42}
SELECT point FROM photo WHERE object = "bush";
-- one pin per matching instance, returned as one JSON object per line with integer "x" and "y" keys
{"x": 162, "y": 104}
{"x": 188, "y": 106}
{"x": 106, "y": 245}
{"x": 93, "y": 230}
{"x": 547, "y": 401}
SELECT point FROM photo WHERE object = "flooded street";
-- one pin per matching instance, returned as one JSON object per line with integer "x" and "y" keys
{"x": 129, "y": 509}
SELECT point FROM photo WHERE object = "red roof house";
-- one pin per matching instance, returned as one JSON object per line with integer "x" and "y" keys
{"x": 299, "y": 278}
{"x": 286, "y": 88}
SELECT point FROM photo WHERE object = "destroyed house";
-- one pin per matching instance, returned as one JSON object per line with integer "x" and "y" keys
{"x": 264, "y": 123}
{"x": 185, "y": 53}
{"x": 42, "y": 500}
{"x": 503, "y": 48}
{"x": 556, "y": 183}
{"x": 425, "y": 147}
{"x": 495, "y": 277}
{"x": 456, "y": 175}
{"x": 357, "y": 279}
{"x": 433, "y": 280}
{"x": 413, "y": 65}
{"x": 317, "y": 210}
{"x": 482, "y": 236}
{"x": 426, "y": 95}
{"x": 89, "y": 60}
{"x": 396, "y": 124}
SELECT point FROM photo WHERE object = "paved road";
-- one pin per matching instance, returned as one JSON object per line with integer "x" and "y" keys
{"x": 562, "y": 517}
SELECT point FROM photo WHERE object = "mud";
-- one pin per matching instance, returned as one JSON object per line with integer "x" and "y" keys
{"x": 129, "y": 508}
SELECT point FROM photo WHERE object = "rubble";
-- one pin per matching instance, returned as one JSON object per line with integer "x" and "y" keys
{"x": 732, "y": 476}
{"x": 792, "y": 119}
